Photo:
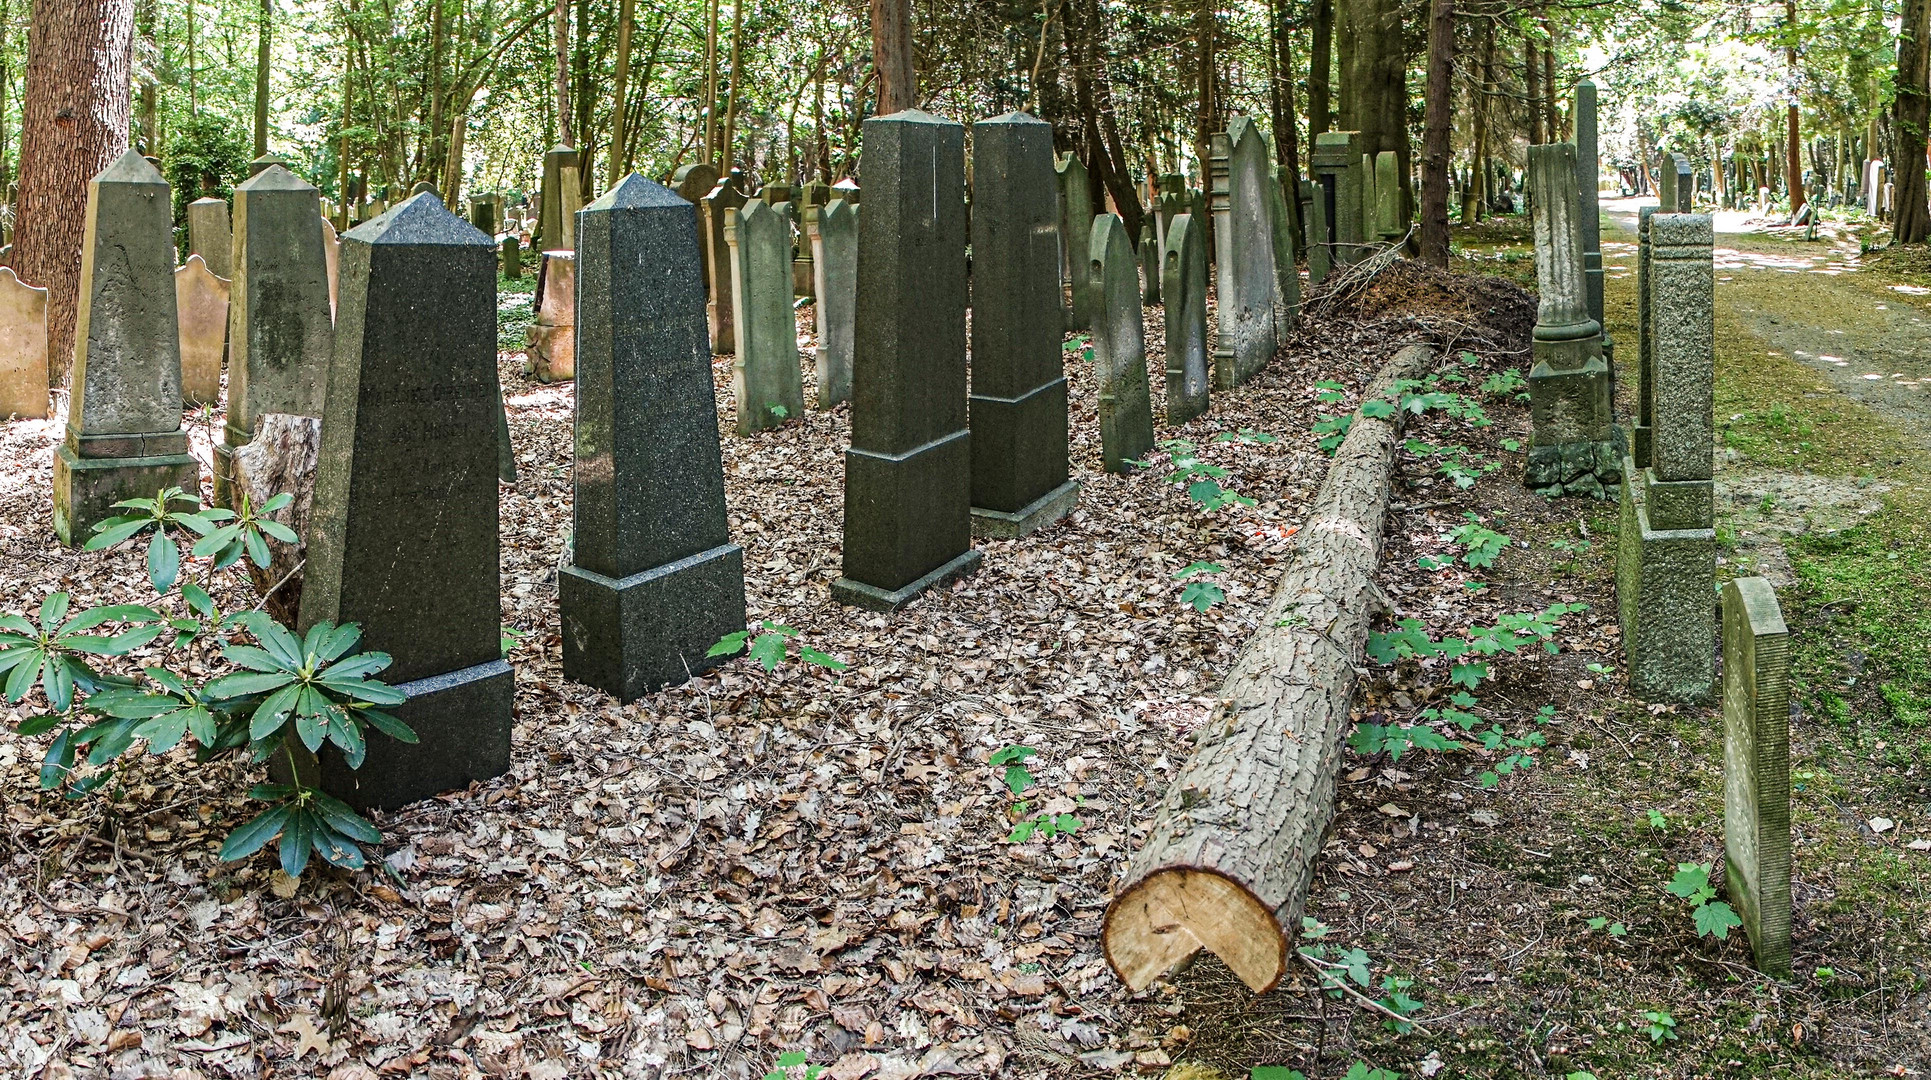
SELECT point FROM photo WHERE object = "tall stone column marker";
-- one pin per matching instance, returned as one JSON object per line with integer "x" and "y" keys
{"x": 654, "y": 579}
{"x": 832, "y": 231}
{"x": 1588, "y": 175}
{"x": 124, "y": 437}
{"x": 403, "y": 534}
{"x": 1574, "y": 448}
{"x": 280, "y": 335}
{"x": 1020, "y": 478}
{"x": 908, "y": 473}
{"x": 1756, "y": 768}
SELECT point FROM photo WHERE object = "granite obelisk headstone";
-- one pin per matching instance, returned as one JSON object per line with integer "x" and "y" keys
{"x": 1119, "y": 349}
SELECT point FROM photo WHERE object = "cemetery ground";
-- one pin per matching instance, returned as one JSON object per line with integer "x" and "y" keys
{"x": 828, "y": 862}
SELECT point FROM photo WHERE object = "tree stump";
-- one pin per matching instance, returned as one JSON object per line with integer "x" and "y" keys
{"x": 281, "y": 458}
{"x": 1231, "y": 851}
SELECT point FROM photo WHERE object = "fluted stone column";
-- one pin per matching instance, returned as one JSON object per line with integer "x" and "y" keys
{"x": 1574, "y": 449}
{"x": 1588, "y": 172}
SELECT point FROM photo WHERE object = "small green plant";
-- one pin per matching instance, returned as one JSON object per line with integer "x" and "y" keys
{"x": 1018, "y": 776}
{"x": 1201, "y": 593}
{"x": 1275, "y": 1072}
{"x": 1613, "y": 929}
{"x": 1201, "y": 479}
{"x": 791, "y": 1066}
{"x": 1661, "y": 1026}
{"x": 1332, "y": 429}
{"x": 768, "y": 648}
{"x": 1714, "y": 918}
{"x": 780, "y": 411}
{"x": 1573, "y": 547}
{"x": 1246, "y": 436}
{"x": 1337, "y": 967}
{"x": 1361, "y": 1070}
{"x": 1657, "y": 821}
{"x": 229, "y": 534}
{"x": 166, "y": 519}
{"x": 1504, "y": 383}
{"x": 1481, "y": 544}
{"x": 1019, "y": 779}
{"x": 508, "y": 636}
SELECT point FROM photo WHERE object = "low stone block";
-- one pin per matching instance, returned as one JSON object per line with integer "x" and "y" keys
{"x": 86, "y": 488}
{"x": 633, "y": 636}
{"x": 1666, "y": 601}
{"x": 1679, "y": 504}
{"x": 461, "y": 723}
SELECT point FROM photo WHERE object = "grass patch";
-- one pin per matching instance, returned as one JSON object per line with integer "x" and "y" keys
{"x": 515, "y": 310}
{"x": 1863, "y": 588}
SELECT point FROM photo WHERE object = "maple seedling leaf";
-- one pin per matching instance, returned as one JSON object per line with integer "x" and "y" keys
{"x": 1716, "y": 919}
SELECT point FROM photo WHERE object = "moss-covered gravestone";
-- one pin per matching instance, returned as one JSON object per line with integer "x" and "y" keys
{"x": 124, "y": 436}
{"x": 654, "y": 579}
{"x": 908, "y": 473}
{"x": 1185, "y": 282}
{"x": 1075, "y": 236}
{"x": 1756, "y": 768}
{"x": 403, "y": 534}
{"x": 1241, "y": 174}
{"x": 832, "y": 232}
{"x": 765, "y": 381}
{"x": 1019, "y": 465}
{"x": 1120, "y": 349}
{"x": 1336, "y": 163}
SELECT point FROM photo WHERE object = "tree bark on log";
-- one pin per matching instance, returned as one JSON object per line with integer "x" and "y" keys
{"x": 281, "y": 459}
{"x": 1230, "y": 854}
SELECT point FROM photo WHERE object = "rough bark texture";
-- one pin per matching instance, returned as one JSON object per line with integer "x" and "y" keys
{"x": 1374, "y": 84}
{"x": 75, "y": 117}
{"x": 898, "y": 82}
{"x": 1436, "y": 126}
{"x": 281, "y": 459}
{"x": 1912, "y": 223}
{"x": 1231, "y": 850}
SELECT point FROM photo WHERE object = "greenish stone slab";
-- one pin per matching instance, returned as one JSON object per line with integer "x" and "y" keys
{"x": 766, "y": 382}
{"x": 1120, "y": 350}
{"x": 1666, "y": 603}
{"x": 1185, "y": 282}
{"x": 1075, "y": 237}
{"x": 86, "y": 489}
{"x": 1756, "y": 768}
{"x": 832, "y": 232}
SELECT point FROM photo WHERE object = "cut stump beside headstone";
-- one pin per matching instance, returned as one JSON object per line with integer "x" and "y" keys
{"x": 1756, "y": 768}
{"x": 23, "y": 348}
{"x": 281, "y": 461}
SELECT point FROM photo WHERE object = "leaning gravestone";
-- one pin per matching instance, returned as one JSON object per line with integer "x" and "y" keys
{"x": 654, "y": 579}
{"x": 1645, "y": 370}
{"x": 208, "y": 234}
{"x": 552, "y": 335}
{"x": 403, "y": 538}
{"x": 124, "y": 437}
{"x": 908, "y": 473}
{"x": 23, "y": 348}
{"x": 832, "y": 232}
{"x": 1574, "y": 447}
{"x": 1666, "y": 546}
{"x": 1756, "y": 768}
{"x": 1244, "y": 223}
{"x": 692, "y": 182}
{"x": 201, "y": 301}
{"x": 1075, "y": 236}
{"x": 726, "y": 197}
{"x": 1186, "y": 288}
{"x": 279, "y": 330}
{"x": 765, "y": 381}
{"x": 1018, "y": 407}
{"x": 1120, "y": 349}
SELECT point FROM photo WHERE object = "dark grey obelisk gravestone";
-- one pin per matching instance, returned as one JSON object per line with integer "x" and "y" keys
{"x": 1075, "y": 235}
{"x": 124, "y": 436}
{"x": 1666, "y": 545}
{"x": 1186, "y": 324}
{"x": 1120, "y": 349}
{"x": 403, "y": 537}
{"x": 765, "y": 381}
{"x": 1588, "y": 175}
{"x": 654, "y": 579}
{"x": 1019, "y": 445}
{"x": 280, "y": 334}
{"x": 550, "y": 227}
{"x": 832, "y": 232}
{"x": 908, "y": 473}
{"x": 1756, "y": 768}
{"x": 728, "y": 195}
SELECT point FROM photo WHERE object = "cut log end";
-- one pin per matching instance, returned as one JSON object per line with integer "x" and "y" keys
{"x": 1174, "y": 912}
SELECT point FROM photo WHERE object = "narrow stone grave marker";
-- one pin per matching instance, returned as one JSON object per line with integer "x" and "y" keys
{"x": 1574, "y": 446}
{"x": 1337, "y": 169}
{"x": 512, "y": 258}
{"x": 1185, "y": 281}
{"x": 1075, "y": 235}
{"x": 208, "y": 234}
{"x": 201, "y": 302}
{"x": 403, "y": 532}
{"x": 765, "y": 380}
{"x": 1756, "y": 768}
{"x": 654, "y": 579}
{"x": 832, "y": 231}
{"x": 23, "y": 348}
{"x": 1149, "y": 265}
{"x": 1243, "y": 223}
{"x": 726, "y": 197}
{"x": 550, "y": 225}
{"x": 1120, "y": 349}
{"x": 552, "y": 335}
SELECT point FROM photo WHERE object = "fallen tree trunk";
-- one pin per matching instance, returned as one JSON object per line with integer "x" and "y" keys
{"x": 1228, "y": 860}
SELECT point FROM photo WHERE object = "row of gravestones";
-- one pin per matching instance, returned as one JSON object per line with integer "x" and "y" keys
{"x": 1663, "y": 470}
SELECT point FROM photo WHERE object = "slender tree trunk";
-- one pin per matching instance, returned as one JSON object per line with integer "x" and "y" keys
{"x": 436, "y": 156}
{"x": 1436, "y": 124}
{"x": 149, "y": 114}
{"x": 729, "y": 151}
{"x": 1106, "y": 144}
{"x": 710, "y": 82}
{"x": 262, "y": 41}
{"x": 74, "y": 122}
{"x": 586, "y": 94}
{"x": 1911, "y": 222}
{"x": 898, "y": 83}
{"x": 348, "y": 112}
{"x": 1287, "y": 141}
{"x": 1794, "y": 164}
{"x": 1549, "y": 125}
{"x": 1531, "y": 82}
{"x": 626, "y": 15}
{"x": 194, "y": 97}
{"x": 6, "y": 77}
{"x": 1484, "y": 99}
{"x": 1209, "y": 118}
{"x": 567, "y": 135}
{"x": 1320, "y": 72}
{"x": 452, "y": 186}
{"x": 1374, "y": 86}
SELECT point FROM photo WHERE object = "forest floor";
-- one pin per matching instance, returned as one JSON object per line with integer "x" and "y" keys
{"x": 814, "y": 862}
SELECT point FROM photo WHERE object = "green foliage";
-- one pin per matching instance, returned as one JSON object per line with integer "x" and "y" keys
{"x": 1018, "y": 776}
{"x": 1713, "y": 917}
{"x": 1332, "y": 429}
{"x": 768, "y": 648}
{"x": 229, "y": 534}
{"x": 791, "y": 1066}
{"x": 1201, "y": 594}
{"x": 1018, "y": 780}
{"x": 1275, "y": 1072}
{"x": 1396, "y": 739}
{"x": 1506, "y": 383}
{"x": 1661, "y": 1026}
{"x": 1613, "y": 929}
{"x": 165, "y": 518}
{"x": 1337, "y": 968}
{"x": 1481, "y": 544}
{"x": 1202, "y": 479}
{"x": 1360, "y": 1070}
{"x": 205, "y": 148}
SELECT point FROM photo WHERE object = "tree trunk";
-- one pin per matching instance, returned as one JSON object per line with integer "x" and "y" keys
{"x": 74, "y": 122}
{"x": 1374, "y": 98}
{"x": 1484, "y": 99}
{"x": 1232, "y": 846}
{"x": 1106, "y": 161}
{"x": 566, "y": 133}
{"x": 262, "y": 41}
{"x": 1320, "y": 72}
{"x": 898, "y": 82}
{"x": 1794, "y": 165}
{"x": 1287, "y": 142}
{"x": 1208, "y": 120}
{"x": 1911, "y": 223}
{"x": 710, "y": 83}
{"x": 1549, "y": 125}
{"x": 626, "y": 16}
{"x": 728, "y": 152}
{"x": 1531, "y": 80}
{"x": 1436, "y": 125}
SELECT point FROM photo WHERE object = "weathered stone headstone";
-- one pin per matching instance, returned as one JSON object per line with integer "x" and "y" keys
{"x": 1666, "y": 547}
{"x": 765, "y": 381}
{"x": 570, "y": 196}
{"x": 1756, "y": 768}
{"x": 724, "y": 198}
{"x": 550, "y": 225}
{"x": 1574, "y": 446}
{"x": 1149, "y": 263}
{"x": 1018, "y": 407}
{"x": 1387, "y": 192}
{"x": 1287, "y": 279}
{"x": 208, "y": 234}
{"x": 1588, "y": 174}
{"x": 846, "y": 189}
{"x": 23, "y": 348}
{"x": 833, "y": 234}
{"x": 512, "y": 258}
{"x": 201, "y": 303}
{"x": 552, "y": 334}
{"x": 1120, "y": 349}
{"x": 332, "y": 255}
{"x": 1319, "y": 249}
{"x": 654, "y": 579}
{"x": 1336, "y": 162}
{"x": 124, "y": 437}
{"x": 1645, "y": 344}
{"x": 403, "y": 533}
{"x": 279, "y": 330}
{"x": 1186, "y": 321}
{"x": 1685, "y": 187}
{"x": 908, "y": 473}
{"x": 692, "y": 182}
{"x": 482, "y": 214}
{"x": 265, "y": 162}
{"x": 1244, "y": 224}
{"x": 1075, "y": 236}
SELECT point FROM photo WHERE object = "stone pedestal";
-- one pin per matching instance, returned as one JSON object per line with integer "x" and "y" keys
{"x": 553, "y": 334}
{"x": 1020, "y": 479}
{"x": 654, "y": 580}
{"x": 1575, "y": 448}
{"x": 403, "y": 533}
{"x": 1185, "y": 281}
{"x": 1665, "y": 601}
{"x": 832, "y": 231}
{"x": 124, "y": 436}
{"x": 908, "y": 474}
{"x": 1756, "y": 768}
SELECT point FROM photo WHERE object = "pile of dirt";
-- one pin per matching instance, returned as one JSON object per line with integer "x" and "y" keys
{"x": 1497, "y": 309}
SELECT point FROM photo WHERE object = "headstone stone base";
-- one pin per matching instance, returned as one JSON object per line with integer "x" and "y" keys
{"x": 87, "y": 487}
{"x": 1038, "y": 514}
{"x": 903, "y": 514}
{"x": 1576, "y": 448}
{"x": 636, "y": 635}
{"x": 872, "y": 598}
{"x": 1665, "y": 603}
{"x": 463, "y": 719}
